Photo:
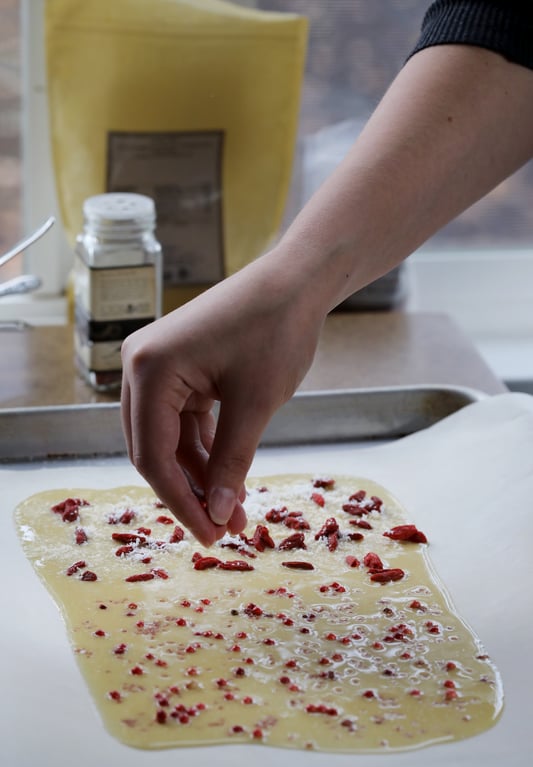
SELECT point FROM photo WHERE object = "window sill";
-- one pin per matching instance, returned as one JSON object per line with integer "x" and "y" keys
{"x": 35, "y": 310}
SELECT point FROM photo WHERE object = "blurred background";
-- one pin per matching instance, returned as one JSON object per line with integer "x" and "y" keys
{"x": 484, "y": 259}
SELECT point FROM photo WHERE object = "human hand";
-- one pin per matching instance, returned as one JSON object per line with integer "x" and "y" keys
{"x": 247, "y": 343}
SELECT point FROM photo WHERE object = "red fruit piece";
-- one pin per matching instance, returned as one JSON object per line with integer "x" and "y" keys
{"x": 372, "y": 561}
{"x": 325, "y": 483}
{"x": 235, "y": 564}
{"x": 69, "y": 508}
{"x": 204, "y": 563}
{"x": 127, "y": 538}
{"x": 75, "y": 567}
{"x": 385, "y": 576}
{"x": 177, "y": 535}
{"x": 295, "y": 541}
{"x": 298, "y": 565}
{"x": 88, "y": 575}
{"x": 329, "y": 527}
{"x": 261, "y": 538}
{"x": 276, "y": 515}
{"x": 139, "y": 577}
{"x": 406, "y": 533}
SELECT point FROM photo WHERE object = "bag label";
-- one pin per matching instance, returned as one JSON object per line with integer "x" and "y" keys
{"x": 182, "y": 172}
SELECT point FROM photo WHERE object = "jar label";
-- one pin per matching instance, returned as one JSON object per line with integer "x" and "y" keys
{"x": 182, "y": 172}
{"x": 116, "y": 293}
{"x": 97, "y": 357}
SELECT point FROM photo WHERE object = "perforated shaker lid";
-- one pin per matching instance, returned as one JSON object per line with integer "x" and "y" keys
{"x": 119, "y": 213}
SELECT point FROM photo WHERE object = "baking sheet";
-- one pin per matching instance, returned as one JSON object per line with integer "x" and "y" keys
{"x": 308, "y": 417}
{"x": 466, "y": 481}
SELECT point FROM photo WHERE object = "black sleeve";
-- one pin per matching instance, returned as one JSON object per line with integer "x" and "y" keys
{"x": 504, "y": 26}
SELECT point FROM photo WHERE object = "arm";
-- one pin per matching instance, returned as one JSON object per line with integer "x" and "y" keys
{"x": 455, "y": 122}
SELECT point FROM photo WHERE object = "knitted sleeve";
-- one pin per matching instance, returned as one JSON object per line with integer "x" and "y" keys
{"x": 504, "y": 26}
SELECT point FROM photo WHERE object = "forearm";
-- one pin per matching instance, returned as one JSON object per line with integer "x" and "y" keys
{"x": 455, "y": 122}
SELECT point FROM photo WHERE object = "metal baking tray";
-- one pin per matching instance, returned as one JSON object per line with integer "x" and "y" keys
{"x": 81, "y": 431}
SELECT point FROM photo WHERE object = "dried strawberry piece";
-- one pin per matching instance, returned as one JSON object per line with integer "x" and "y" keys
{"x": 318, "y": 498}
{"x": 205, "y": 563}
{"x": 295, "y": 565}
{"x": 406, "y": 533}
{"x": 160, "y": 573}
{"x": 372, "y": 561}
{"x": 355, "y": 536}
{"x": 352, "y": 561}
{"x": 385, "y": 576}
{"x": 294, "y": 541}
{"x": 80, "y": 536}
{"x": 333, "y": 541}
{"x": 261, "y": 538}
{"x": 163, "y": 520}
{"x": 253, "y": 610}
{"x": 235, "y": 564}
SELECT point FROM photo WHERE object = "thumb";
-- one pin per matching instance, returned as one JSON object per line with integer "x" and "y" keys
{"x": 237, "y": 435}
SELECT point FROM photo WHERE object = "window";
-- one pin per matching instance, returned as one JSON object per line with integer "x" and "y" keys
{"x": 10, "y": 144}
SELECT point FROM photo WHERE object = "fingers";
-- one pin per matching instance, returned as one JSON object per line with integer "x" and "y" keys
{"x": 125, "y": 413}
{"x": 159, "y": 424}
{"x": 192, "y": 453}
{"x": 238, "y": 432}
{"x": 177, "y": 470}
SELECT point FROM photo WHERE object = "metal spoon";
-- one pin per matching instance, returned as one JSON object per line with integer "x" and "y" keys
{"x": 27, "y": 241}
{"x": 24, "y": 283}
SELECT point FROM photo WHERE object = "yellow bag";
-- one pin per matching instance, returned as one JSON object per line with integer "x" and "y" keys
{"x": 192, "y": 103}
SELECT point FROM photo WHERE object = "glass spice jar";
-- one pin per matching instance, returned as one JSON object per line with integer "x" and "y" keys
{"x": 116, "y": 282}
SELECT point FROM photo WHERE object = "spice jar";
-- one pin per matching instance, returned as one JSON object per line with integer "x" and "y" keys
{"x": 116, "y": 280}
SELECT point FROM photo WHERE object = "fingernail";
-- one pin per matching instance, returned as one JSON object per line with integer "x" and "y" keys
{"x": 222, "y": 501}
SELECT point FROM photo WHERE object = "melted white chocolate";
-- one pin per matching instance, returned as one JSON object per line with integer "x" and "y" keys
{"x": 319, "y": 659}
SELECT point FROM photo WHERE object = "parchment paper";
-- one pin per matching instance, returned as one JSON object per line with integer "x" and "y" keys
{"x": 467, "y": 482}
